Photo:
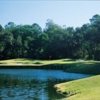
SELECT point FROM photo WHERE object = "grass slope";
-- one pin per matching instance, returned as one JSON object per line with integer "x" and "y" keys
{"x": 87, "y": 67}
{"x": 82, "y": 89}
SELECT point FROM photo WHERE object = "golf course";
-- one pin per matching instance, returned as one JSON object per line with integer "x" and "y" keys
{"x": 50, "y": 50}
{"x": 81, "y": 89}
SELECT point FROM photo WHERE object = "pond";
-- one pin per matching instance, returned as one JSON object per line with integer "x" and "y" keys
{"x": 33, "y": 84}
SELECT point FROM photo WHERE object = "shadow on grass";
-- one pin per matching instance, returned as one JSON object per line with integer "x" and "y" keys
{"x": 85, "y": 68}
{"x": 3, "y": 63}
{"x": 24, "y": 59}
{"x": 68, "y": 60}
{"x": 57, "y": 66}
{"x": 19, "y": 60}
{"x": 26, "y": 63}
{"x": 37, "y": 63}
{"x": 32, "y": 63}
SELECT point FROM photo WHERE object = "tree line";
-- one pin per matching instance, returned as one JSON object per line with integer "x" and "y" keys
{"x": 31, "y": 41}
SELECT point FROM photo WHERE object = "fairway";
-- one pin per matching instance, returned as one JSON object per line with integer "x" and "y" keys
{"x": 33, "y": 62}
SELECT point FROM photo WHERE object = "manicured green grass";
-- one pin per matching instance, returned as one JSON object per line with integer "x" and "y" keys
{"x": 82, "y": 89}
{"x": 35, "y": 62}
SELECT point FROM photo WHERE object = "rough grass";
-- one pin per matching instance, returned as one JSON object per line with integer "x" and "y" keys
{"x": 82, "y": 89}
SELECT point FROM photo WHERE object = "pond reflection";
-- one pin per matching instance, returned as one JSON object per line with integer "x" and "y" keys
{"x": 31, "y": 84}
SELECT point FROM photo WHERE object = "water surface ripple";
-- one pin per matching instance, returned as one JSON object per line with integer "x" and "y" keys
{"x": 33, "y": 84}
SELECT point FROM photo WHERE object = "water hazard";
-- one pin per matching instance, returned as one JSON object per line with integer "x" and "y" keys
{"x": 33, "y": 84}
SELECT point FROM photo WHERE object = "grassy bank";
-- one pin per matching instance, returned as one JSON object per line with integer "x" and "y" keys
{"x": 85, "y": 67}
{"x": 82, "y": 89}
